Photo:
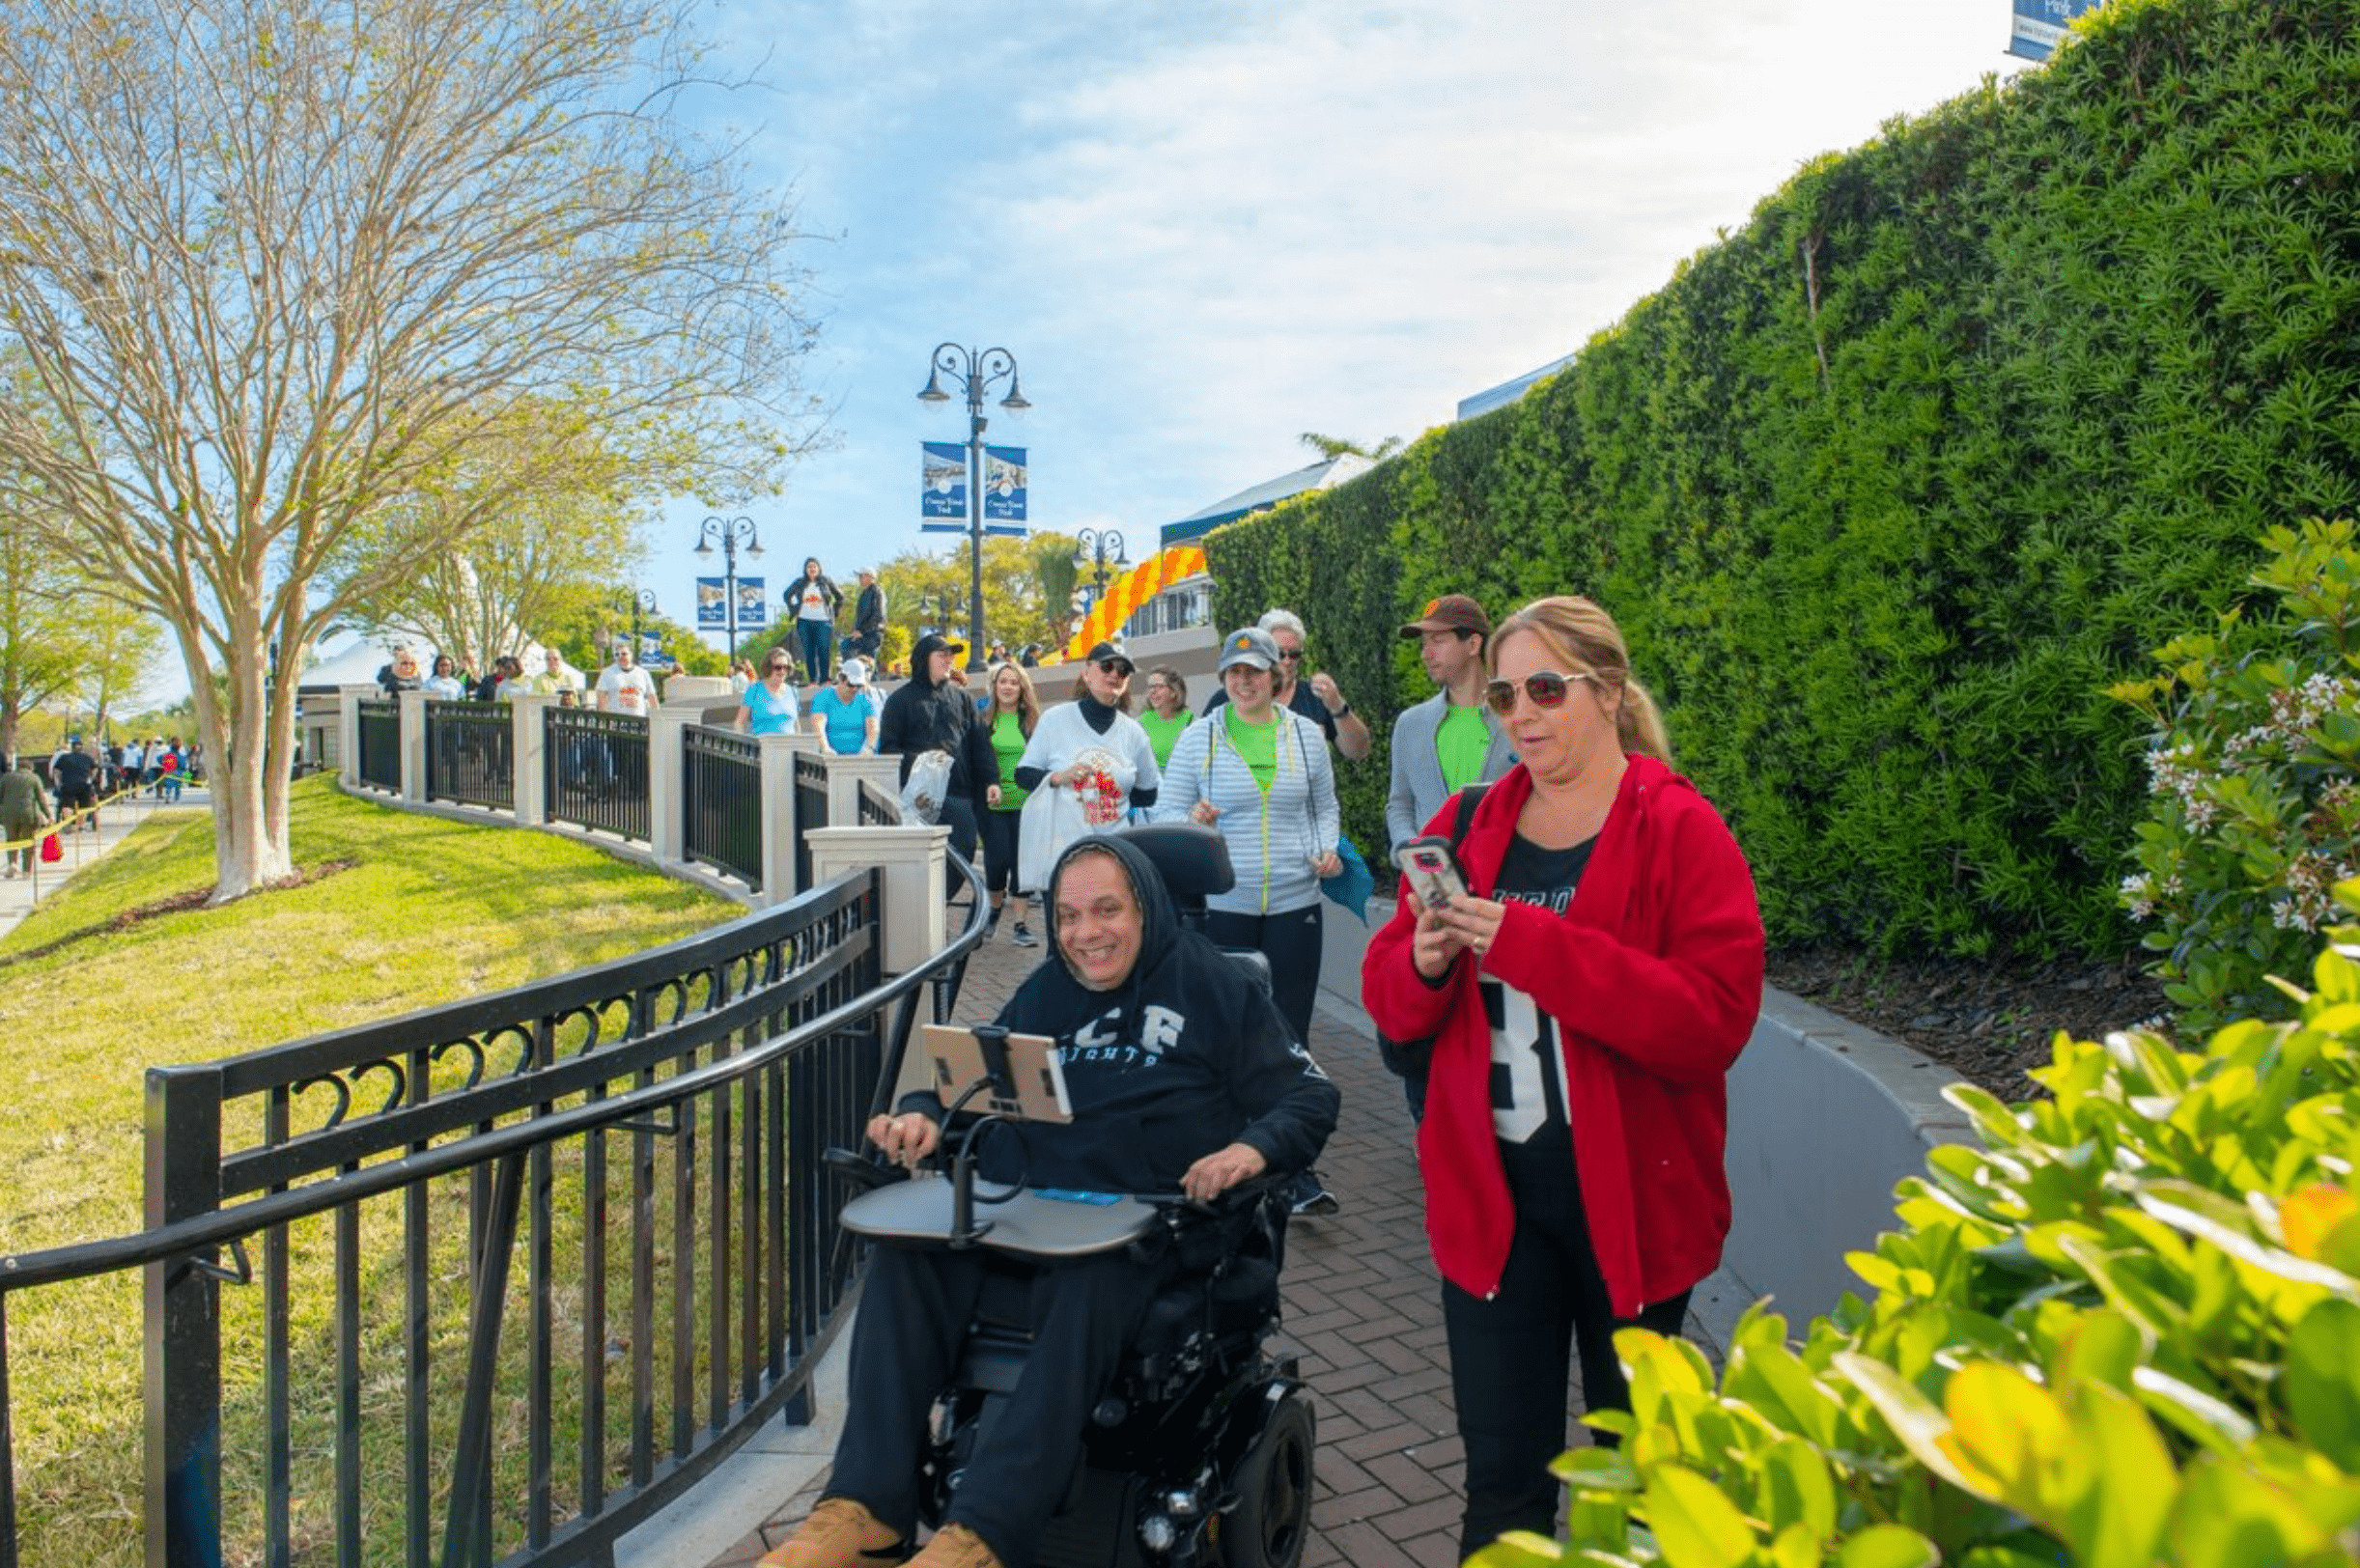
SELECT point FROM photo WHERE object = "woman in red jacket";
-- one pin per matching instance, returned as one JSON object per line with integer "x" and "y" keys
{"x": 1586, "y": 1000}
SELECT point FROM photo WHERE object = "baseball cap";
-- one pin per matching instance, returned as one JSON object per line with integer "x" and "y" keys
{"x": 1101, "y": 652}
{"x": 1249, "y": 645}
{"x": 1453, "y": 612}
{"x": 855, "y": 672}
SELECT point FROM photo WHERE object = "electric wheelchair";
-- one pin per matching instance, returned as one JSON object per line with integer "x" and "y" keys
{"x": 1200, "y": 1452}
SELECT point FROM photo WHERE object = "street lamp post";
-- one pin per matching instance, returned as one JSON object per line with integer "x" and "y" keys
{"x": 635, "y": 602}
{"x": 974, "y": 372}
{"x": 1097, "y": 547}
{"x": 729, "y": 530}
{"x": 940, "y": 609}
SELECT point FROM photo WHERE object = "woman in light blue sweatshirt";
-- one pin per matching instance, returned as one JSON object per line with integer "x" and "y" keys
{"x": 1261, "y": 776}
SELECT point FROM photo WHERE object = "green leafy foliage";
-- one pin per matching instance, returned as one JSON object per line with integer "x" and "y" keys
{"x": 1888, "y": 486}
{"x": 2119, "y": 1329}
{"x": 2255, "y": 781}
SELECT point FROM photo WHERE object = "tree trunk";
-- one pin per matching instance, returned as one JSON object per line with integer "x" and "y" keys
{"x": 251, "y": 766}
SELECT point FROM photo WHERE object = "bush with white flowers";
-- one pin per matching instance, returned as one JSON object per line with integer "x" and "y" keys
{"x": 2254, "y": 783}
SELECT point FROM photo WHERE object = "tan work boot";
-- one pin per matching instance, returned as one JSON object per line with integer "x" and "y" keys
{"x": 955, "y": 1546}
{"x": 838, "y": 1533}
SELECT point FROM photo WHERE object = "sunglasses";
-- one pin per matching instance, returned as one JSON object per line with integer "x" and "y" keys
{"x": 1293, "y": 656}
{"x": 1546, "y": 687}
{"x": 1115, "y": 666}
{"x": 778, "y": 664}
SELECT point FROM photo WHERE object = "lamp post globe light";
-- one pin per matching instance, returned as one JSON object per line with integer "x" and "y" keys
{"x": 729, "y": 530}
{"x": 974, "y": 372}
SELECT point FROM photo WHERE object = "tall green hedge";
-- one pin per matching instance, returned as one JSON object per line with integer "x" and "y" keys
{"x": 1888, "y": 487}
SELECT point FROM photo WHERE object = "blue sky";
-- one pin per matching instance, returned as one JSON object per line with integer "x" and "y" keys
{"x": 1203, "y": 229}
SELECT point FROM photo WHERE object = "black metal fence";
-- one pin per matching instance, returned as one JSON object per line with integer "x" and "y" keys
{"x": 595, "y": 766}
{"x": 381, "y": 743}
{"x": 468, "y": 750}
{"x": 529, "y": 1265}
{"x": 878, "y": 808}
{"x": 810, "y": 810}
{"x": 721, "y": 805}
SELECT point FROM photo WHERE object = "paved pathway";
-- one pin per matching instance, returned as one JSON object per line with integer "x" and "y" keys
{"x": 116, "y": 820}
{"x": 1362, "y": 1305}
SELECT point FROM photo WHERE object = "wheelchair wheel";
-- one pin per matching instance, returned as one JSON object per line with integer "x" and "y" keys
{"x": 1273, "y": 1517}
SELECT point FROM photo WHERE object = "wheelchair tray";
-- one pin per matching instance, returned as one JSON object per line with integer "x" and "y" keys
{"x": 1027, "y": 1223}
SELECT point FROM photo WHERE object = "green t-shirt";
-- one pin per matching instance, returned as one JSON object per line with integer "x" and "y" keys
{"x": 1008, "y": 746}
{"x": 1163, "y": 733}
{"x": 1461, "y": 741}
{"x": 1256, "y": 745}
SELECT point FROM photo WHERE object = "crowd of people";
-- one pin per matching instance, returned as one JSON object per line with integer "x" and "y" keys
{"x": 1563, "y": 1015}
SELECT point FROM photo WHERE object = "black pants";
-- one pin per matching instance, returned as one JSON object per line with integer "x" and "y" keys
{"x": 959, "y": 813}
{"x": 1510, "y": 1355}
{"x": 1001, "y": 833}
{"x": 1291, "y": 941}
{"x": 906, "y": 1343}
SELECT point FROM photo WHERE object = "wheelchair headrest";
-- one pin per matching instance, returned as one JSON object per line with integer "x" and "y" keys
{"x": 1190, "y": 856}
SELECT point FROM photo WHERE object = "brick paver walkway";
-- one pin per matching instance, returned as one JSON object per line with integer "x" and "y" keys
{"x": 1363, "y": 1307}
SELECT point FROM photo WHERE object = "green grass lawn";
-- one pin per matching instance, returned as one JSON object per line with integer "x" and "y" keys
{"x": 429, "y": 911}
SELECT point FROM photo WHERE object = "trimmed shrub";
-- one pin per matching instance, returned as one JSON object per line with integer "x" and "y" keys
{"x": 1887, "y": 487}
{"x": 2121, "y": 1328}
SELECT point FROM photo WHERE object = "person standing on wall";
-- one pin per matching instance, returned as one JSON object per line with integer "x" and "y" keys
{"x": 1587, "y": 996}
{"x": 813, "y": 601}
{"x": 869, "y": 616}
{"x": 1441, "y": 745}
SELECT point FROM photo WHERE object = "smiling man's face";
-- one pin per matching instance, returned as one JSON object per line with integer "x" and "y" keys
{"x": 1098, "y": 924}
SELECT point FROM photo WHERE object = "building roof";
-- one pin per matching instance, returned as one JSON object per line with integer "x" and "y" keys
{"x": 1508, "y": 392}
{"x": 1322, "y": 475}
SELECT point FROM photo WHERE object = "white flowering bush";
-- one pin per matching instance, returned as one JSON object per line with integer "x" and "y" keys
{"x": 2254, "y": 783}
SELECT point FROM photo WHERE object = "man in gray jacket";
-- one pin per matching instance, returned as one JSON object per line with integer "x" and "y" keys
{"x": 1450, "y": 739}
{"x": 1443, "y": 744}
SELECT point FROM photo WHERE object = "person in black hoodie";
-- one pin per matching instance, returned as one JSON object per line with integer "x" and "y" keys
{"x": 931, "y": 713}
{"x": 1183, "y": 1078}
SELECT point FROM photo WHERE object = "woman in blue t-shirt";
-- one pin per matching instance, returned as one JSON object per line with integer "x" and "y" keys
{"x": 767, "y": 706}
{"x": 844, "y": 714}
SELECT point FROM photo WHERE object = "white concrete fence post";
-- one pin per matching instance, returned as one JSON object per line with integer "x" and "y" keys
{"x": 915, "y": 863}
{"x": 414, "y": 745}
{"x": 778, "y": 813}
{"x": 527, "y": 753}
{"x": 844, "y": 776}
{"x": 347, "y": 733}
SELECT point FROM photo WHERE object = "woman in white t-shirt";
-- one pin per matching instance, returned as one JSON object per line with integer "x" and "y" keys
{"x": 813, "y": 602}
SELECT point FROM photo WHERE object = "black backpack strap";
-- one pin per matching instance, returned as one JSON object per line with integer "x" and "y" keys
{"x": 1469, "y": 798}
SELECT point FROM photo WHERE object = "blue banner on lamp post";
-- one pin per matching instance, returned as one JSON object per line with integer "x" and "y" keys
{"x": 2040, "y": 23}
{"x": 753, "y": 611}
{"x": 712, "y": 604}
{"x": 1004, "y": 479}
{"x": 944, "y": 481}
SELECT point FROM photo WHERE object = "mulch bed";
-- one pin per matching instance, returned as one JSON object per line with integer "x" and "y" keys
{"x": 194, "y": 898}
{"x": 1985, "y": 1021}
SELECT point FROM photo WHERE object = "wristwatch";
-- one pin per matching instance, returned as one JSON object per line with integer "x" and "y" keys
{"x": 1345, "y": 712}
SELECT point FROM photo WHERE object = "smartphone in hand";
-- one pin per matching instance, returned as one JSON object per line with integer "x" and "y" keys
{"x": 1433, "y": 871}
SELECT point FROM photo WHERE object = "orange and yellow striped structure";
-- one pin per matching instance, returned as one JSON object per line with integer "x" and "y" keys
{"x": 1128, "y": 592}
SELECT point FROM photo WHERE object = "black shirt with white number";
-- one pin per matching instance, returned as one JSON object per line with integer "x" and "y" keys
{"x": 1528, "y": 1069}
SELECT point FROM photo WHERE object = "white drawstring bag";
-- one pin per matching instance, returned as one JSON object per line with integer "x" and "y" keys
{"x": 922, "y": 794}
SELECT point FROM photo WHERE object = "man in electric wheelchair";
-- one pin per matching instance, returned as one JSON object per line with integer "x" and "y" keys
{"x": 1183, "y": 1079}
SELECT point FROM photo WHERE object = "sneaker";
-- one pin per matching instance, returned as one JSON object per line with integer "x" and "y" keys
{"x": 1311, "y": 1197}
{"x": 1024, "y": 936}
{"x": 838, "y": 1533}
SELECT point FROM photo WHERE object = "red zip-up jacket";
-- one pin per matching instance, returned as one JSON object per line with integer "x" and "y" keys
{"x": 1653, "y": 976}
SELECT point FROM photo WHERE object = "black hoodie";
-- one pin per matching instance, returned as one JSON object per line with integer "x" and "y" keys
{"x": 926, "y": 716}
{"x": 1186, "y": 1056}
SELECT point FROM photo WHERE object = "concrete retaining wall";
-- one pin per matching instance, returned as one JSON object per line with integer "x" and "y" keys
{"x": 1825, "y": 1116}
